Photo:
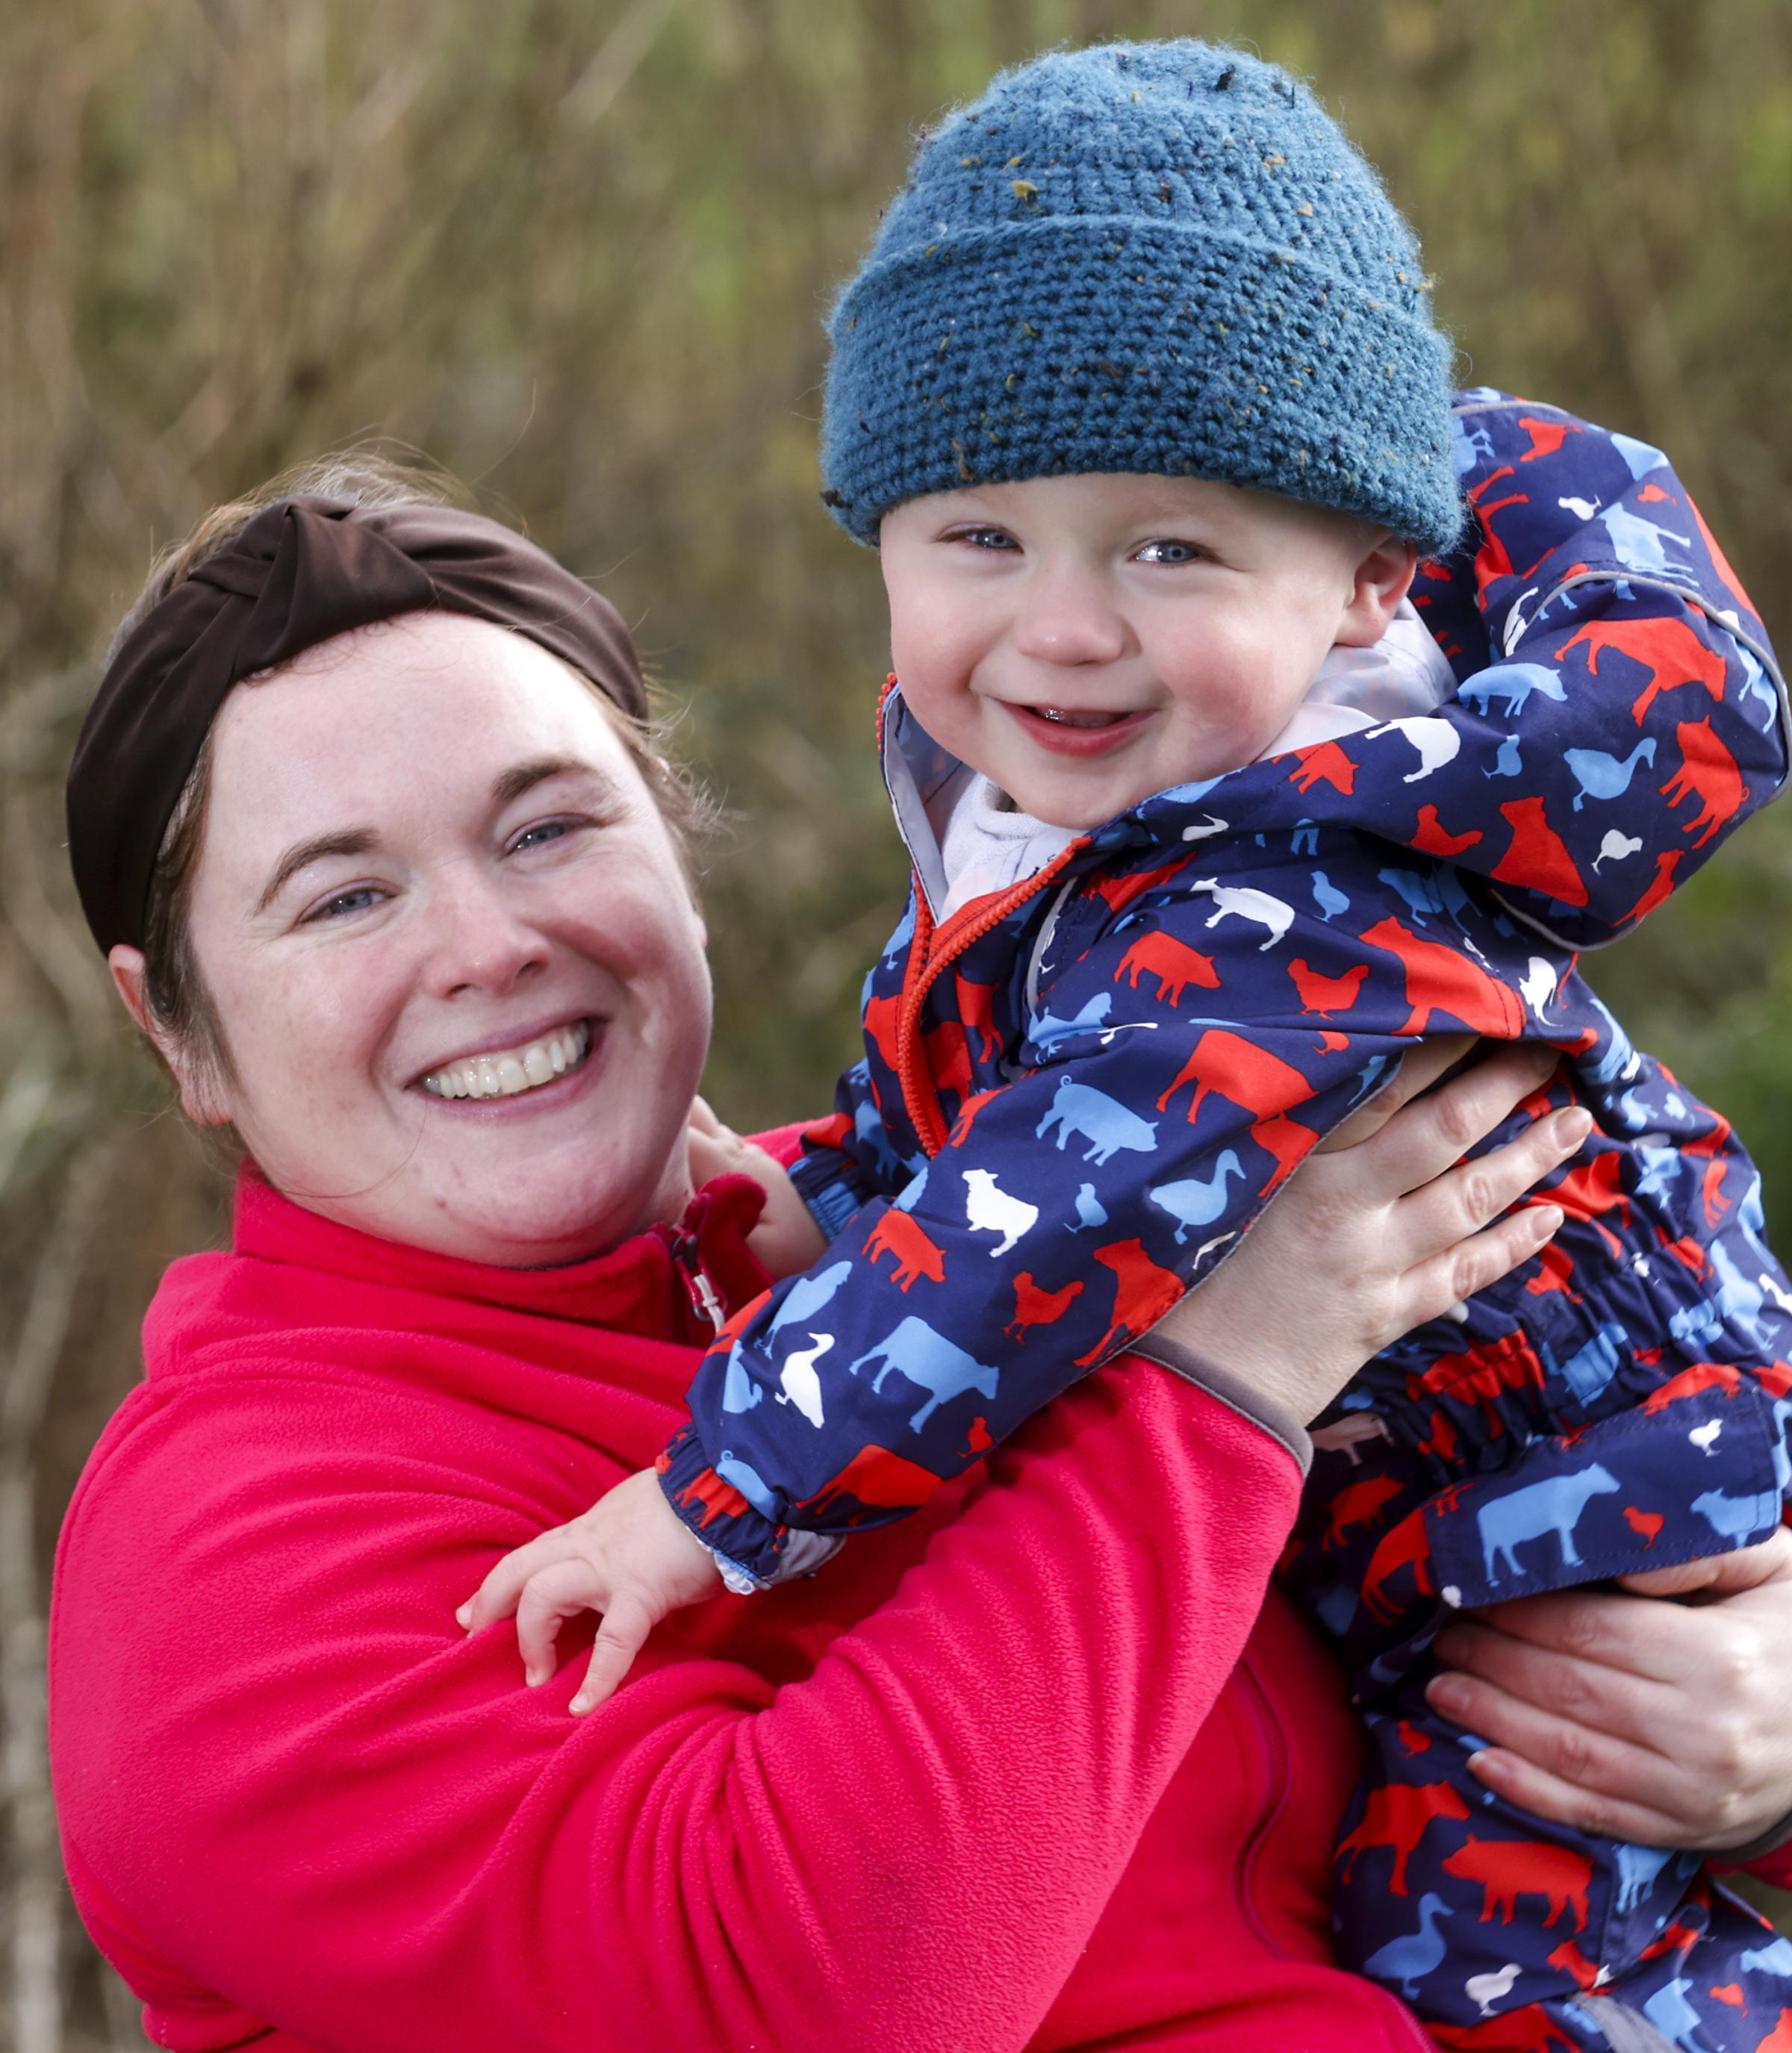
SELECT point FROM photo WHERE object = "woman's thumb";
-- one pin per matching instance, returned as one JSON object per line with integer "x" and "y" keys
{"x": 1719, "y": 1575}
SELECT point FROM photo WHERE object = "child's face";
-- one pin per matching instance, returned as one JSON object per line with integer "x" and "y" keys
{"x": 1085, "y": 641}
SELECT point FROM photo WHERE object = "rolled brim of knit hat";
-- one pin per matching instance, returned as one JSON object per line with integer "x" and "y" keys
{"x": 1210, "y": 286}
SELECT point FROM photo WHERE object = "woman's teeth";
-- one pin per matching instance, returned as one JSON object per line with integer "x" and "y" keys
{"x": 514, "y": 1069}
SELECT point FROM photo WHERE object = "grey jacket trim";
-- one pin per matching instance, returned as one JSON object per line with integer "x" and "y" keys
{"x": 1770, "y": 1842}
{"x": 1627, "y": 2031}
{"x": 1234, "y": 1391}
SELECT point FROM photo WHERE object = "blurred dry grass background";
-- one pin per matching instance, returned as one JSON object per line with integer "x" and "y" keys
{"x": 578, "y": 250}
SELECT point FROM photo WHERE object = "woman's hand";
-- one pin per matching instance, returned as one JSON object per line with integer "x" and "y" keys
{"x": 787, "y": 1238}
{"x": 1377, "y": 1232}
{"x": 630, "y": 1557}
{"x": 1639, "y": 1719}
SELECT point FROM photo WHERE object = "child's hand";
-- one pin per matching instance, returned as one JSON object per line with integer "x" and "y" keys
{"x": 630, "y": 1557}
{"x": 787, "y": 1238}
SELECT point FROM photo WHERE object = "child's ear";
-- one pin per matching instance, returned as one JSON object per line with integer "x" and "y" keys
{"x": 1383, "y": 572}
{"x": 201, "y": 1098}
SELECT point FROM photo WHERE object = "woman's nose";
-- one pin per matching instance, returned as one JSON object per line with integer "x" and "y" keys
{"x": 480, "y": 941}
{"x": 1068, "y": 616}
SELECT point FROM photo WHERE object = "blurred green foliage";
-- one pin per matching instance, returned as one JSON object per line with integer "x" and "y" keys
{"x": 579, "y": 251}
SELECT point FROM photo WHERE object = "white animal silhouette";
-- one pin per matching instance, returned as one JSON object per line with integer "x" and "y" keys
{"x": 1348, "y": 1432}
{"x": 1203, "y": 831}
{"x": 1436, "y": 741}
{"x": 1615, "y": 847}
{"x": 1487, "y": 1990}
{"x": 802, "y": 1387}
{"x": 990, "y": 1209}
{"x": 1241, "y": 902}
{"x": 1538, "y": 985}
{"x": 1582, "y": 509}
{"x": 1704, "y": 1437}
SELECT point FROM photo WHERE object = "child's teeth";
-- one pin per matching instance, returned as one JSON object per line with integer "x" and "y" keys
{"x": 512, "y": 1071}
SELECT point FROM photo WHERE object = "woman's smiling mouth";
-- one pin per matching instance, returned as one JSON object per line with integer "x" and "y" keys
{"x": 509, "y": 1072}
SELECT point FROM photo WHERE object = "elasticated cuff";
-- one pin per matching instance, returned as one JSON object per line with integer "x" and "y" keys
{"x": 1234, "y": 1391}
{"x": 742, "y": 1538}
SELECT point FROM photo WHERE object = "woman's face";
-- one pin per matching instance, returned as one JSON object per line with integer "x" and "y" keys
{"x": 458, "y": 974}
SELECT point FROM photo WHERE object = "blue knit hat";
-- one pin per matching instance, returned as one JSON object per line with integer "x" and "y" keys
{"x": 1142, "y": 257}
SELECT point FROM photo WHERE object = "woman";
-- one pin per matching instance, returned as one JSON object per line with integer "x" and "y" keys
{"x": 936, "y": 1797}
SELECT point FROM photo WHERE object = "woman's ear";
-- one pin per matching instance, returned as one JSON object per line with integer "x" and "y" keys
{"x": 201, "y": 1097}
{"x": 1383, "y": 575}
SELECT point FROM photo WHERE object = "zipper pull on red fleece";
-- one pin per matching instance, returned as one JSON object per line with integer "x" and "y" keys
{"x": 702, "y": 1292}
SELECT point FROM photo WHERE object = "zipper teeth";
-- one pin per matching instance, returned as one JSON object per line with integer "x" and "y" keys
{"x": 922, "y": 1102}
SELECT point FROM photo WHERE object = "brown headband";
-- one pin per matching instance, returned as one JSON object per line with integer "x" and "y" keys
{"x": 303, "y": 570}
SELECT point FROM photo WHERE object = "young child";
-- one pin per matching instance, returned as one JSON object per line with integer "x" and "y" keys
{"x": 1139, "y": 393}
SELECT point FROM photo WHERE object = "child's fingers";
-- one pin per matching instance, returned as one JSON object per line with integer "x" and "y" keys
{"x": 626, "y": 1626}
{"x": 496, "y": 1596}
{"x": 1419, "y": 1067}
{"x": 548, "y": 1599}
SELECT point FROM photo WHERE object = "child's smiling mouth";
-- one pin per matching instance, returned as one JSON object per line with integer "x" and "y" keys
{"x": 1075, "y": 731}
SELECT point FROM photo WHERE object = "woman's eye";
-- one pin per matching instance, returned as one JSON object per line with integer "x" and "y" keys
{"x": 1169, "y": 552}
{"x": 542, "y": 832}
{"x": 341, "y": 904}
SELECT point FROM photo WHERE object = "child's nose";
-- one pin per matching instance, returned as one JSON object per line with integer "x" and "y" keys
{"x": 1068, "y": 617}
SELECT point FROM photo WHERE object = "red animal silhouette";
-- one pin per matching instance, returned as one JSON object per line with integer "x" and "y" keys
{"x": 1240, "y": 1071}
{"x": 831, "y": 1132}
{"x": 1435, "y": 838}
{"x": 978, "y": 1440}
{"x": 1538, "y": 857}
{"x": 1396, "y": 1816}
{"x": 1406, "y": 1545}
{"x": 1687, "y": 1253}
{"x": 1357, "y": 1504}
{"x": 1479, "y": 1375}
{"x": 1288, "y": 1141}
{"x": 968, "y": 1112}
{"x": 949, "y": 1057}
{"x": 1142, "y": 1294}
{"x": 1707, "y": 772}
{"x": 1721, "y": 563}
{"x": 1646, "y": 1525}
{"x": 1412, "y": 1739}
{"x": 1571, "y": 1961}
{"x": 719, "y": 1499}
{"x": 1666, "y": 863}
{"x": 1174, "y": 965}
{"x": 1779, "y": 2040}
{"x": 1731, "y": 1993}
{"x": 1669, "y": 649}
{"x": 898, "y": 1234}
{"x": 879, "y": 1479}
{"x": 1701, "y": 1376}
{"x": 882, "y": 1020}
{"x": 1554, "y": 1268}
{"x": 1546, "y": 436}
{"x": 1119, "y": 893}
{"x": 1034, "y": 1307}
{"x": 1492, "y": 558}
{"x": 976, "y": 1010}
{"x": 1508, "y": 1869}
{"x": 1441, "y": 980}
{"x": 1529, "y": 2030}
{"x": 1593, "y": 1187}
{"x": 1327, "y": 995}
{"x": 1325, "y": 763}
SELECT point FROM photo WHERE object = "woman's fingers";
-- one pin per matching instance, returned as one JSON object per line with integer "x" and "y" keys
{"x": 1461, "y": 1201}
{"x": 1436, "y": 1132}
{"x": 1433, "y": 1286}
{"x": 626, "y": 1626}
{"x": 1419, "y": 1067}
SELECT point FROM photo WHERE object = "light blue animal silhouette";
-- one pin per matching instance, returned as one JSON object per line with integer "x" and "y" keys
{"x": 1775, "y": 1959}
{"x": 1441, "y": 891}
{"x": 1327, "y": 895}
{"x": 1602, "y": 776}
{"x": 1197, "y": 1201}
{"x": 1512, "y": 684}
{"x": 1620, "y": 1059}
{"x": 1103, "y": 1121}
{"x": 1738, "y": 1299}
{"x": 1475, "y": 444}
{"x": 1641, "y": 456}
{"x": 1587, "y": 1371}
{"x": 738, "y": 1392}
{"x": 1553, "y": 1505}
{"x": 1408, "y": 1959}
{"x": 1735, "y": 1517}
{"x": 1637, "y": 1868}
{"x": 1756, "y": 687}
{"x": 1638, "y": 543}
{"x": 867, "y": 1124}
{"x": 931, "y": 1363}
{"x": 749, "y": 1482}
{"x": 903, "y": 934}
{"x": 1305, "y": 840}
{"x": 1090, "y": 1209}
{"x": 1047, "y": 1028}
{"x": 806, "y": 1297}
{"x": 1668, "y": 2010}
{"x": 1509, "y": 762}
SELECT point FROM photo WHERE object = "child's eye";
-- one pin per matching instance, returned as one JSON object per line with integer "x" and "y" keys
{"x": 1167, "y": 551}
{"x": 986, "y": 538}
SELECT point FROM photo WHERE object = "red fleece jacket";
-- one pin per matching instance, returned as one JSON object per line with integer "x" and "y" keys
{"x": 1025, "y": 1771}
